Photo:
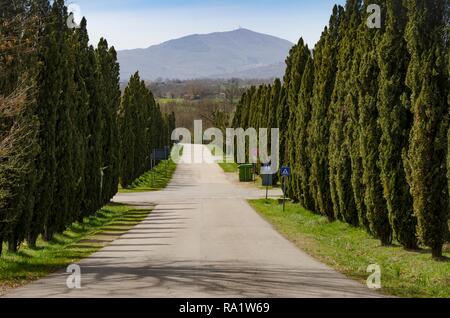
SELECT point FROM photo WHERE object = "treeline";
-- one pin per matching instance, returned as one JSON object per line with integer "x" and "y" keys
{"x": 142, "y": 128}
{"x": 201, "y": 89}
{"x": 61, "y": 151}
{"x": 364, "y": 120}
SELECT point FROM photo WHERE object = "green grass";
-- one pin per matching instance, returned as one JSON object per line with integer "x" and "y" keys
{"x": 154, "y": 180}
{"x": 229, "y": 167}
{"x": 78, "y": 241}
{"x": 350, "y": 250}
{"x": 158, "y": 178}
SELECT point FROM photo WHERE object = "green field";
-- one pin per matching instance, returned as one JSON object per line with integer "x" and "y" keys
{"x": 78, "y": 241}
{"x": 163, "y": 101}
{"x": 350, "y": 250}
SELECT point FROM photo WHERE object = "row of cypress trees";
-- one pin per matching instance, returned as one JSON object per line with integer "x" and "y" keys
{"x": 142, "y": 128}
{"x": 364, "y": 120}
{"x": 68, "y": 163}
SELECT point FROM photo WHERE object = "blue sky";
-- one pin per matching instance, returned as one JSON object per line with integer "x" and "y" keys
{"x": 131, "y": 24}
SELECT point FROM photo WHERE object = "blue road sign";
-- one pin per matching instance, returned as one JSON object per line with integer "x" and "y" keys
{"x": 285, "y": 171}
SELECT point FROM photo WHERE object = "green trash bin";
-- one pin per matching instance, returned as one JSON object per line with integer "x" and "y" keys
{"x": 246, "y": 173}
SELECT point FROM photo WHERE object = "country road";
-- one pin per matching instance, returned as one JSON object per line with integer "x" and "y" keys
{"x": 201, "y": 240}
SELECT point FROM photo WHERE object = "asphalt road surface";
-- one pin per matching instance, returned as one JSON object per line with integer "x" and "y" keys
{"x": 201, "y": 240}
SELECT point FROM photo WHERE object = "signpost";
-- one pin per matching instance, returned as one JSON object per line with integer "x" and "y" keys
{"x": 285, "y": 173}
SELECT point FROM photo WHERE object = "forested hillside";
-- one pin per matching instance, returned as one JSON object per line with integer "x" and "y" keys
{"x": 239, "y": 53}
{"x": 64, "y": 138}
{"x": 364, "y": 121}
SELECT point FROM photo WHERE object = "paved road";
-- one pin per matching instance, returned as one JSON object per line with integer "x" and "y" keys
{"x": 202, "y": 240}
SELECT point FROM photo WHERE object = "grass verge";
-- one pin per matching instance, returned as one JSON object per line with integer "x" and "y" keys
{"x": 229, "y": 167}
{"x": 224, "y": 162}
{"x": 158, "y": 178}
{"x": 78, "y": 241}
{"x": 350, "y": 250}
{"x": 154, "y": 180}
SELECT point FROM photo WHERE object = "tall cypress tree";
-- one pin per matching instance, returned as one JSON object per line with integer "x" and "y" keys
{"x": 126, "y": 125}
{"x": 325, "y": 59}
{"x": 344, "y": 205}
{"x": 370, "y": 137}
{"x": 72, "y": 122}
{"x": 65, "y": 133}
{"x": 109, "y": 102}
{"x": 303, "y": 163}
{"x": 283, "y": 108}
{"x": 237, "y": 117}
{"x": 427, "y": 154}
{"x": 274, "y": 103}
{"x": 273, "y": 116}
{"x": 80, "y": 46}
{"x": 48, "y": 97}
{"x": 94, "y": 168}
{"x": 139, "y": 126}
{"x": 294, "y": 75}
{"x": 90, "y": 118}
{"x": 45, "y": 114}
{"x": 353, "y": 103}
{"x": 395, "y": 121}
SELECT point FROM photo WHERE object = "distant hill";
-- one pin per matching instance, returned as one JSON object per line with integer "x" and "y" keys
{"x": 239, "y": 53}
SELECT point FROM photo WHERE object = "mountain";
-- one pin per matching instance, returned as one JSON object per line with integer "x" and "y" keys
{"x": 239, "y": 53}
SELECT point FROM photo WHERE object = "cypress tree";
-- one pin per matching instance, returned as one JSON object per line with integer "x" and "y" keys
{"x": 82, "y": 75}
{"x": 303, "y": 164}
{"x": 128, "y": 138}
{"x": 94, "y": 155}
{"x": 61, "y": 213}
{"x": 60, "y": 153}
{"x": 283, "y": 114}
{"x": 142, "y": 128}
{"x": 139, "y": 127}
{"x": 426, "y": 168}
{"x": 275, "y": 96}
{"x": 109, "y": 102}
{"x": 325, "y": 59}
{"x": 344, "y": 205}
{"x": 45, "y": 114}
{"x": 370, "y": 137}
{"x": 149, "y": 106}
{"x": 353, "y": 103}
{"x": 237, "y": 116}
{"x": 395, "y": 121}
{"x": 298, "y": 60}
{"x": 48, "y": 97}
{"x": 274, "y": 103}
{"x": 89, "y": 124}
{"x": 115, "y": 96}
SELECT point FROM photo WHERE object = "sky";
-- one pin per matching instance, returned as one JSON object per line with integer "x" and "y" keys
{"x": 130, "y": 24}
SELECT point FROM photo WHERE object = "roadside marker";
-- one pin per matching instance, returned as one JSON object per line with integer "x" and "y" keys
{"x": 285, "y": 173}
